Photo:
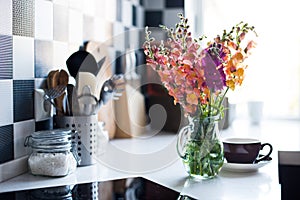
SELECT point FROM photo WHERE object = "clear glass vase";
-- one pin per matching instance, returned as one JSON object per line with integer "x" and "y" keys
{"x": 200, "y": 148}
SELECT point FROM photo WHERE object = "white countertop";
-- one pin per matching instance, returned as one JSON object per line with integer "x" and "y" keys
{"x": 155, "y": 158}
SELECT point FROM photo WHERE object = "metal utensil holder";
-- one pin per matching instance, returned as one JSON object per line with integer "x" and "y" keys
{"x": 86, "y": 127}
{"x": 86, "y": 191}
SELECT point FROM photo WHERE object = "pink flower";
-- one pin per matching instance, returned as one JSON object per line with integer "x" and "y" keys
{"x": 199, "y": 80}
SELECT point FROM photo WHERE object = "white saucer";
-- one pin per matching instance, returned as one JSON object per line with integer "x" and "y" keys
{"x": 237, "y": 167}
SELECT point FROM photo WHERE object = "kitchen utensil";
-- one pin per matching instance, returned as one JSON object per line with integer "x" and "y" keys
{"x": 52, "y": 93}
{"x": 81, "y": 61}
{"x": 52, "y": 79}
{"x": 87, "y": 102}
{"x": 63, "y": 79}
{"x": 100, "y": 63}
{"x": 112, "y": 88}
{"x": 98, "y": 50}
{"x": 52, "y": 82}
{"x": 70, "y": 90}
{"x": 89, "y": 79}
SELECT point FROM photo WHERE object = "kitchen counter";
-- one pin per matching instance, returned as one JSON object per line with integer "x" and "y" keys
{"x": 154, "y": 157}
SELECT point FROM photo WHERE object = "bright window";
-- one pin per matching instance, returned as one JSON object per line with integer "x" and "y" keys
{"x": 273, "y": 75}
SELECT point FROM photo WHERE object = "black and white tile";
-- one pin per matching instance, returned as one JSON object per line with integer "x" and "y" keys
{"x": 37, "y": 36}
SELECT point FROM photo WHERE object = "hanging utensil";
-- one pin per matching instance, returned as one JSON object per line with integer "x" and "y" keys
{"x": 82, "y": 61}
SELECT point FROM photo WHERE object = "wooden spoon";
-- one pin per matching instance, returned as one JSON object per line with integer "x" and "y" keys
{"x": 63, "y": 79}
{"x": 52, "y": 79}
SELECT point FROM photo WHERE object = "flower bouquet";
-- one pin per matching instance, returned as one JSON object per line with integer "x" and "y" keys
{"x": 198, "y": 79}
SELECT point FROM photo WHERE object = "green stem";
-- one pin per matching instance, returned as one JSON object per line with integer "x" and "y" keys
{"x": 223, "y": 97}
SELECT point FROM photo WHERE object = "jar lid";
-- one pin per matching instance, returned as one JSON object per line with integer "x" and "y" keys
{"x": 56, "y": 133}
{"x": 57, "y": 139}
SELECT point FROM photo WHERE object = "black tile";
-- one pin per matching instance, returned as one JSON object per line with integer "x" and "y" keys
{"x": 43, "y": 58}
{"x": 120, "y": 59}
{"x": 6, "y": 57}
{"x": 119, "y": 10}
{"x": 134, "y": 15}
{"x": 153, "y": 18}
{"x": 174, "y": 3}
{"x": 23, "y": 18}
{"x": 6, "y": 143}
{"x": 23, "y": 99}
{"x": 44, "y": 125}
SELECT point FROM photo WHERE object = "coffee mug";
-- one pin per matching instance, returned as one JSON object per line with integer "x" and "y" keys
{"x": 244, "y": 150}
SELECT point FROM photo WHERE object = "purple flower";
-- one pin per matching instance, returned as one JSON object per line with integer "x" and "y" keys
{"x": 215, "y": 78}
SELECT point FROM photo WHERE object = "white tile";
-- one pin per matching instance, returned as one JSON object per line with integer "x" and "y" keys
{"x": 88, "y": 28}
{"x": 99, "y": 11}
{"x": 23, "y": 57}
{"x": 100, "y": 29}
{"x": 6, "y": 105}
{"x": 60, "y": 55}
{"x": 154, "y": 4}
{"x": 76, "y": 4}
{"x": 43, "y": 20}
{"x": 61, "y": 2}
{"x": 112, "y": 57}
{"x": 134, "y": 35}
{"x": 89, "y": 7}
{"x": 73, "y": 47}
{"x": 21, "y": 130}
{"x": 110, "y": 10}
{"x": 127, "y": 13}
{"x": 118, "y": 38}
{"x": 40, "y": 83}
{"x": 6, "y": 17}
{"x": 170, "y": 17}
{"x": 135, "y": 2}
{"x": 13, "y": 168}
{"x": 140, "y": 21}
{"x": 75, "y": 26}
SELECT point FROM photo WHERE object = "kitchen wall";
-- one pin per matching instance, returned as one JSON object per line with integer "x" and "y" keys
{"x": 37, "y": 36}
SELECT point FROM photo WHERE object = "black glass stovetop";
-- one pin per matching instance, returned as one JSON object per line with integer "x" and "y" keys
{"x": 122, "y": 189}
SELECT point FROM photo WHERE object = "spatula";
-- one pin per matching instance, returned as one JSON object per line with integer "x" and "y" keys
{"x": 82, "y": 61}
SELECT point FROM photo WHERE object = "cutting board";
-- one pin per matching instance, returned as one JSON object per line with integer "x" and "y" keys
{"x": 130, "y": 114}
{"x": 106, "y": 112}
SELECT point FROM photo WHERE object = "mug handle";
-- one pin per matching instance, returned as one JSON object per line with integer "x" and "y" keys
{"x": 265, "y": 156}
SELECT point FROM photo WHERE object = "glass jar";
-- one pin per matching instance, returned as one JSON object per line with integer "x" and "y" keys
{"x": 53, "y": 153}
{"x": 52, "y": 193}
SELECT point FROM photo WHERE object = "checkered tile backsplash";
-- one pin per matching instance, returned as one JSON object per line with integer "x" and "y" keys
{"x": 37, "y": 36}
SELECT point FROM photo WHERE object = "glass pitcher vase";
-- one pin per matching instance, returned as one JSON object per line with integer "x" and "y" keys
{"x": 200, "y": 148}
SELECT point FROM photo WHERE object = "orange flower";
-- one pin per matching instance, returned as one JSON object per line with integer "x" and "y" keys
{"x": 192, "y": 99}
{"x": 230, "y": 84}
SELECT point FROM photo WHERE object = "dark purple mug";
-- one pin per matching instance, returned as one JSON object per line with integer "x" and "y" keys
{"x": 244, "y": 150}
